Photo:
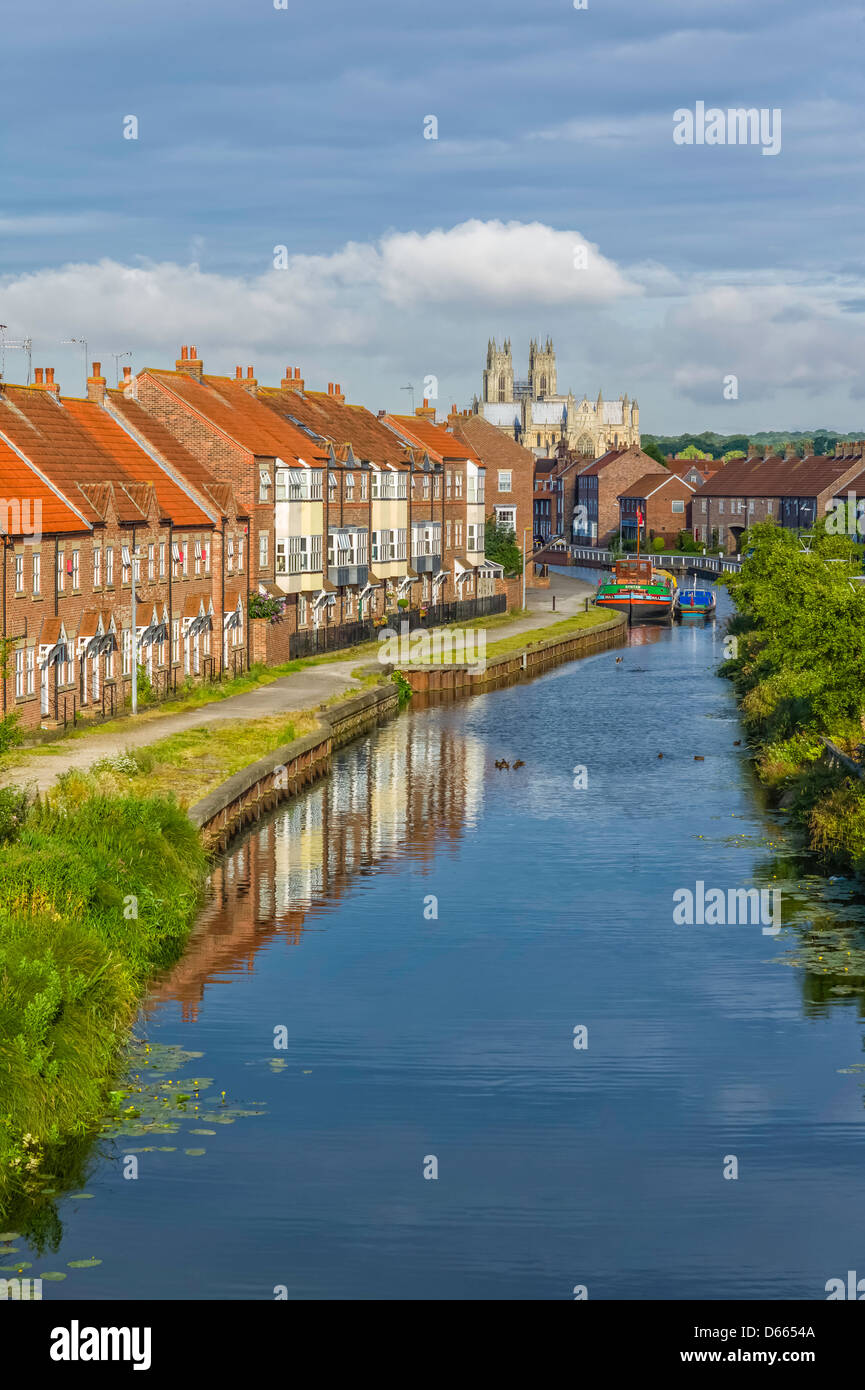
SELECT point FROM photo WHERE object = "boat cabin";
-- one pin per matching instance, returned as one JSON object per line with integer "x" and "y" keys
{"x": 634, "y": 569}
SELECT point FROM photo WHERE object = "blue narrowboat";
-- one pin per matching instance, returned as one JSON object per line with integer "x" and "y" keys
{"x": 698, "y": 603}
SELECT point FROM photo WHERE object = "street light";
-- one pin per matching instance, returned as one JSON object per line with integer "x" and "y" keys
{"x": 135, "y": 557}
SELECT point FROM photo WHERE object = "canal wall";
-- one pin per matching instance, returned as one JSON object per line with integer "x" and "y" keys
{"x": 287, "y": 769}
{"x": 512, "y": 666}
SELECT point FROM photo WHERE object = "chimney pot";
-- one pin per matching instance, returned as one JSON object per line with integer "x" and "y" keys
{"x": 250, "y": 373}
{"x": 49, "y": 374}
{"x": 184, "y": 353}
{"x": 238, "y": 373}
{"x": 97, "y": 368}
{"x": 127, "y": 373}
{"x": 39, "y": 375}
{"x": 193, "y": 353}
{"x": 297, "y": 373}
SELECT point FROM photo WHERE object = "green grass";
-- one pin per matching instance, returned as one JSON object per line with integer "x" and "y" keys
{"x": 97, "y": 892}
{"x": 193, "y": 762}
{"x": 523, "y": 641}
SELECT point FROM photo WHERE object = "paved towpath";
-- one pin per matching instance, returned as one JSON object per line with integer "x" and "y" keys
{"x": 303, "y": 690}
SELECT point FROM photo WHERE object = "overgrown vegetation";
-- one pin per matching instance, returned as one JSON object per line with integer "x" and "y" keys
{"x": 798, "y": 664}
{"x": 97, "y": 891}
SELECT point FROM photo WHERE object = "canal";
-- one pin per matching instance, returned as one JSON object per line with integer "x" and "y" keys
{"x": 391, "y": 969}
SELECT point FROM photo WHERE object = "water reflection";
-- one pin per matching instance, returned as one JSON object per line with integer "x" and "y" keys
{"x": 422, "y": 792}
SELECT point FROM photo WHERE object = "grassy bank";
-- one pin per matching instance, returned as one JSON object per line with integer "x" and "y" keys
{"x": 520, "y": 641}
{"x": 797, "y": 660}
{"x": 96, "y": 892}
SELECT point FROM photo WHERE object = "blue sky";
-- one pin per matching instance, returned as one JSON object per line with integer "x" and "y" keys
{"x": 303, "y": 128}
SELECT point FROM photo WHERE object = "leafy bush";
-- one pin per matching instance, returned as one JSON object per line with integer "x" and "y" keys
{"x": 10, "y": 734}
{"x": 13, "y": 812}
{"x": 262, "y": 607}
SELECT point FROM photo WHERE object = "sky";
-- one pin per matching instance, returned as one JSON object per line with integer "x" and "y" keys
{"x": 281, "y": 204}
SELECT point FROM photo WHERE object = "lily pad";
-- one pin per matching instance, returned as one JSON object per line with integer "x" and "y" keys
{"x": 202, "y": 1131}
{"x": 55, "y": 1275}
{"x": 13, "y": 1269}
{"x": 168, "y": 1148}
{"x": 10, "y": 1235}
{"x": 8, "y": 1249}
{"x": 81, "y": 1195}
{"x": 83, "y": 1264}
{"x": 195, "y": 1153}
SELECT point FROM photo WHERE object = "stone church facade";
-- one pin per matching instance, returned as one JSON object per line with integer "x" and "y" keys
{"x": 532, "y": 412}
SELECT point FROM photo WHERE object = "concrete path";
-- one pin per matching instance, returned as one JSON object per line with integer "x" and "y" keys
{"x": 303, "y": 690}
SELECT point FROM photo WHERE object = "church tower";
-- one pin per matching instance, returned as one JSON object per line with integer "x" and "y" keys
{"x": 499, "y": 373}
{"x": 542, "y": 370}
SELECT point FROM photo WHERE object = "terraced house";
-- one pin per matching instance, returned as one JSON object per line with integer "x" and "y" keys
{"x": 261, "y": 522}
{"x": 791, "y": 491}
{"x": 107, "y": 504}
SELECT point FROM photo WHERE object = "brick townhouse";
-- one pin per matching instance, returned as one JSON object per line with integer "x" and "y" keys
{"x": 465, "y": 573}
{"x": 67, "y": 591}
{"x": 596, "y": 489}
{"x": 548, "y": 500}
{"x": 663, "y": 503}
{"x": 367, "y": 520}
{"x": 425, "y": 520}
{"x": 792, "y": 491}
{"x": 696, "y": 471}
{"x": 509, "y": 472}
{"x": 220, "y": 421}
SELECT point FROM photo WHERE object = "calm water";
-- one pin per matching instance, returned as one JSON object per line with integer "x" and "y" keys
{"x": 409, "y": 1036}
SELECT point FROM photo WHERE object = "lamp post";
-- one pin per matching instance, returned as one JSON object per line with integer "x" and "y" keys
{"x": 135, "y": 557}
{"x": 526, "y": 530}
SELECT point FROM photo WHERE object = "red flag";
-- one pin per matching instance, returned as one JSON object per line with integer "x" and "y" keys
{"x": 639, "y": 516}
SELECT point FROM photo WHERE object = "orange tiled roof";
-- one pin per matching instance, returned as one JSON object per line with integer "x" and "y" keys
{"x": 338, "y": 423}
{"x": 438, "y": 442}
{"x": 241, "y": 416}
{"x": 21, "y": 483}
{"x": 136, "y": 469}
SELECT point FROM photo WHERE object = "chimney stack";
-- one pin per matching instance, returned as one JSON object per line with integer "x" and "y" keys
{"x": 337, "y": 393}
{"x": 190, "y": 362}
{"x": 249, "y": 382}
{"x": 40, "y": 377}
{"x": 96, "y": 385}
{"x": 50, "y": 384}
{"x": 426, "y": 411}
{"x": 292, "y": 383}
{"x": 126, "y": 383}
{"x": 790, "y": 450}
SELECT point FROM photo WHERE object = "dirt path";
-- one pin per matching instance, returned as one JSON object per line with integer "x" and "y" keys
{"x": 303, "y": 690}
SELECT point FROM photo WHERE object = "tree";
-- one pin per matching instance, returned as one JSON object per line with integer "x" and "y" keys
{"x": 651, "y": 448}
{"x": 802, "y": 660}
{"x": 500, "y": 544}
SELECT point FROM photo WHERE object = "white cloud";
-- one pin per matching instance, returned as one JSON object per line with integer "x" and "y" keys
{"x": 374, "y": 315}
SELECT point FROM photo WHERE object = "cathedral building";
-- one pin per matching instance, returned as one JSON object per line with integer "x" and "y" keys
{"x": 532, "y": 412}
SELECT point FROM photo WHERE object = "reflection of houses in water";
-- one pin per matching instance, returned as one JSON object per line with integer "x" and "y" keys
{"x": 395, "y": 795}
